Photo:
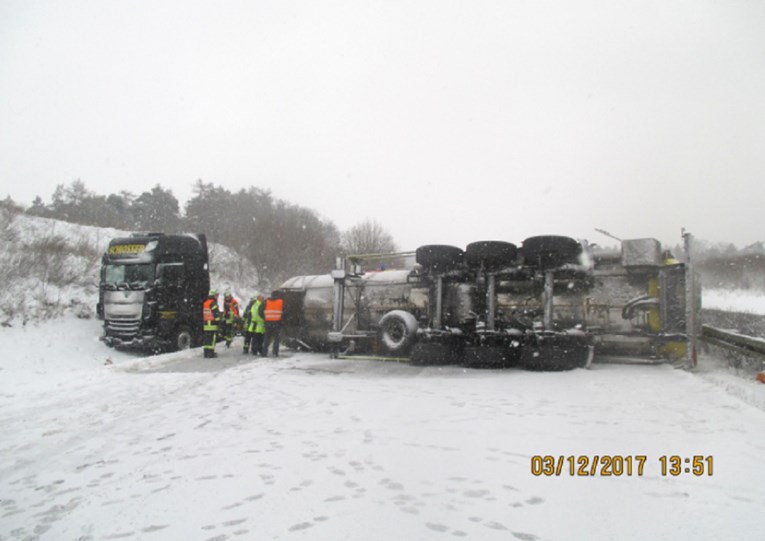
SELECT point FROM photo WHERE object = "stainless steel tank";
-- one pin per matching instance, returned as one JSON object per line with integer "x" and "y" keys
{"x": 367, "y": 298}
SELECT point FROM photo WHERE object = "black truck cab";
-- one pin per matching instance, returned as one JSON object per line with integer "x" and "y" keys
{"x": 152, "y": 289}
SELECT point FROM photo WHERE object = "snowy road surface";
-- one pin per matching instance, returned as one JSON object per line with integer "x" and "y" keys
{"x": 180, "y": 447}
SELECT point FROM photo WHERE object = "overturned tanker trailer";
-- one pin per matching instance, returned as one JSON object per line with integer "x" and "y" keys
{"x": 550, "y": 304}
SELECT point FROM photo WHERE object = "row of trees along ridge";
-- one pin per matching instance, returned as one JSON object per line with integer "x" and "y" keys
{"x": 280, "y": 239}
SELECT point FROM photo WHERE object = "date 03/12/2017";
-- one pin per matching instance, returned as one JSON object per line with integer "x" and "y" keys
{"x": 619, "y": 465}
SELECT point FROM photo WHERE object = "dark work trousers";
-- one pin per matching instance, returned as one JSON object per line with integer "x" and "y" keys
{"x": 247, "y": 340}
{"x": 210, "y": 337}
{"x": 257, "y": 343}
{"x": 228, "y": 331}
{"x": 273, "y": 334}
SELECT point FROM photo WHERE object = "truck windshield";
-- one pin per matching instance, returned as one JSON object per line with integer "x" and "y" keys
{"x": 128, "y": 276}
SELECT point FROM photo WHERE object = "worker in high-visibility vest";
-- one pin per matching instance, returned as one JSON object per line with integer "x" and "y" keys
{"x": 255, "y": 325}
{"x": 210, "y": 322}
{"x": 246, "y": 320}
{"x": 230, "y": 317}
{"x": 273, "y": 311}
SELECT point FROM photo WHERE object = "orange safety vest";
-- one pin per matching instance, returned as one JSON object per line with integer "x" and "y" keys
{"x": 209, "y": 309}
{"x": 273, "y": 310}
{"x": 231, "y": 308}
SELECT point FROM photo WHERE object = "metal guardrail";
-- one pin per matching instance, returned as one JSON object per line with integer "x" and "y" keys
{"x": 733, "y": 341}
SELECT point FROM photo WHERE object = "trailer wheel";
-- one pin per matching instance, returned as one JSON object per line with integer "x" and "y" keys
{"x": 550, "y": 251}
{"x": 492, "y": 254}
{"x": 439, "y": 257}
{"x": 181, "y": 338}
{"x": 398, "y": 330}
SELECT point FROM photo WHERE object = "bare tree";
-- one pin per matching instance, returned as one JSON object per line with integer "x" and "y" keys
{"x": 367, "y": 237}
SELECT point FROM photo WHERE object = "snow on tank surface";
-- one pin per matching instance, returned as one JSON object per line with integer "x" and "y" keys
{"x": 308, "y": 282}
{"x": 326, "y": 280}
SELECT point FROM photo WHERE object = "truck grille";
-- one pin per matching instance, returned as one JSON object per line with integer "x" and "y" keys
{"x": 123, "y": 326}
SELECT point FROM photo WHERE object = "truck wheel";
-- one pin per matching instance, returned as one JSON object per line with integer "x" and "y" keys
{"x": 181, "y": 338}
{"x": 398, "y": 330}
{"x": 439, "y": 257}
{"x": 493, "y": 254}
{"x": 550, "y": 251}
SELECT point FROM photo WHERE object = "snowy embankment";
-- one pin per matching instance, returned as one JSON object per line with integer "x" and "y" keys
{"x": 99, "y": 444}
{"x": 51, "y": 268}
{"x": 734, "y": 300}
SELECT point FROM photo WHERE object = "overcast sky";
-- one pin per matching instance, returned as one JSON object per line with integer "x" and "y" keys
{"x": 446, "y": 121}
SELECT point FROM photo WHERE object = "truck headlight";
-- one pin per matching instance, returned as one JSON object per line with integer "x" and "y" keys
{"x": 149, "y": 310}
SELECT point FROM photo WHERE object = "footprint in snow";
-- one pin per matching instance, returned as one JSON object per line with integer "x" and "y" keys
{"x": 524, "y": 536}
{"x": 300, "y": 526}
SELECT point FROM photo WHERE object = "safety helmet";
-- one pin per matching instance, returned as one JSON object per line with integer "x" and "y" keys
{"x": 213, "y": 293}
{"x": 227, "y": 293}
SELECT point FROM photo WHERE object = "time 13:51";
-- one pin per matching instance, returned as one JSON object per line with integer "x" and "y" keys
{"x": 697, "y": 465}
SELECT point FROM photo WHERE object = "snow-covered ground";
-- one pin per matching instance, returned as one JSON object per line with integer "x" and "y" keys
{"x": 98, "y": 444}
{"x": 735, "y": 300}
